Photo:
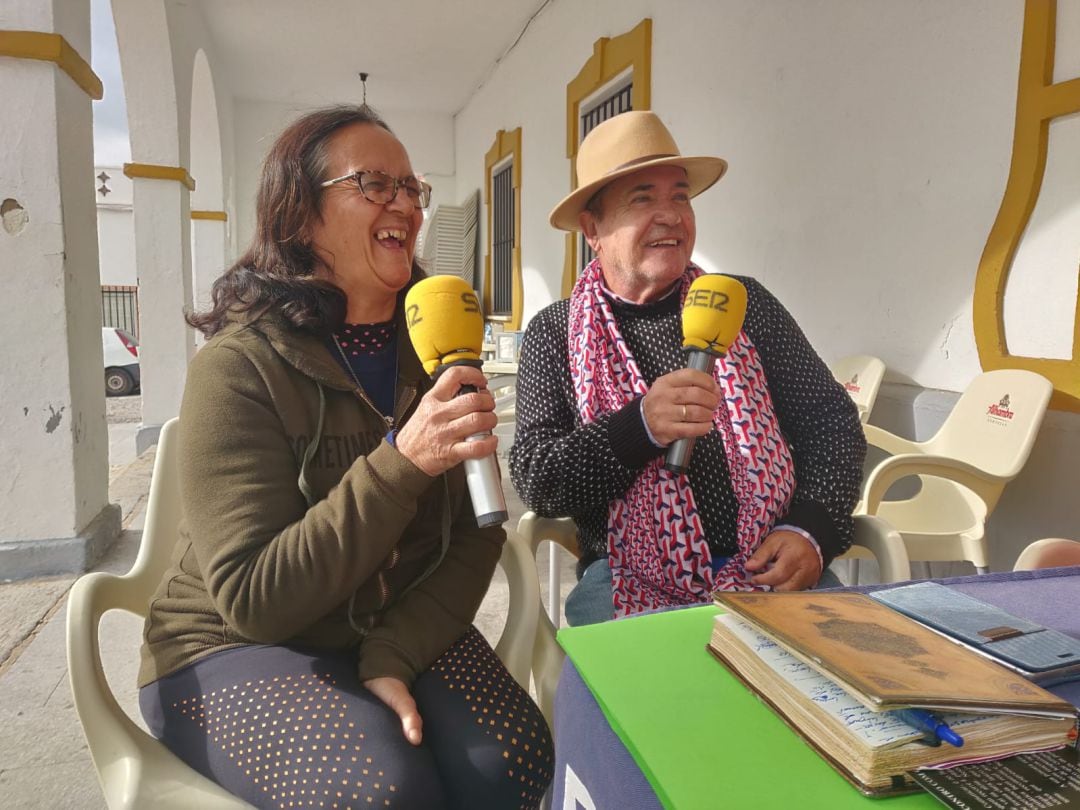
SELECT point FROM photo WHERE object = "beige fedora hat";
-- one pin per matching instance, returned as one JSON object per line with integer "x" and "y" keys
{"x": 625, "y": 143}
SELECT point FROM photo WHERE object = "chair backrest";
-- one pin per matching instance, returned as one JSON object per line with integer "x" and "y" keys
{"x": 994, "y": 423}
{"x": 161, "y": 529}
{"x": 134, "y": 769}
{"x": 861, "y": 376}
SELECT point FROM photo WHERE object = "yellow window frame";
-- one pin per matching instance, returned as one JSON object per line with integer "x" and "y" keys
{"x": 1038, "y": 101}
{"x": 610, "y": 58}
{"x": 506, "y": 145}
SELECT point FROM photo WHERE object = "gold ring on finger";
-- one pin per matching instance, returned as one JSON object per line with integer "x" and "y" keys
{"x": 684, "y": 412}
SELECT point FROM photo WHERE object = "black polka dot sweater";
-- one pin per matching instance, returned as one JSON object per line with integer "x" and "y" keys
{"x": 562, "y": 468}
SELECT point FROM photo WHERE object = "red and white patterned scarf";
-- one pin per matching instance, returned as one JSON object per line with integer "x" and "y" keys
{"x": 657, "y": 548}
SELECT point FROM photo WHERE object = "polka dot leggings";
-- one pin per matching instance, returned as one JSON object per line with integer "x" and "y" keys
{"x": 287, "y": 728}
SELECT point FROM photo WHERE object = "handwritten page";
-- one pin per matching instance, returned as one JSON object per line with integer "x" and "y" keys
{"x": 876, "y": 729}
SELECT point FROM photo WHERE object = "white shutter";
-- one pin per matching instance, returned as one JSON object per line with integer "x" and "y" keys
{"x": 449, "y": 242}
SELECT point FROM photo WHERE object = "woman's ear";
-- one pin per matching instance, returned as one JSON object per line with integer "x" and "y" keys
{"x": 305, "y": 236}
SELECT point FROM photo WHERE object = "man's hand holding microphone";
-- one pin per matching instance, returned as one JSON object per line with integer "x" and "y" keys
{"x": 679, "y": 406}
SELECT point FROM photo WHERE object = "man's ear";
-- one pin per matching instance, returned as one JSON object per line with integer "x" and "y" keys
{"x": 587, "y": 221}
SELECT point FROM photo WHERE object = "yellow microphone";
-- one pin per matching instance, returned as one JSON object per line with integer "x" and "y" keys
{"x": 712, "y": 316}
{"x": 446, "y": 327}
{"x": 445, "y": 323}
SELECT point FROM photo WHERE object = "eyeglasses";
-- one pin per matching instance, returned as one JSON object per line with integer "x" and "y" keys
{"x": 380, "y": 188}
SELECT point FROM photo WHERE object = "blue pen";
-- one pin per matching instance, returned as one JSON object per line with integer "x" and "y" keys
{"x": 932, "y": 726}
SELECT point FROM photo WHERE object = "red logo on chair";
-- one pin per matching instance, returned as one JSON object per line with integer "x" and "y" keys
{"x": 852, "y": 385}
{"x": 1000, "y": 410}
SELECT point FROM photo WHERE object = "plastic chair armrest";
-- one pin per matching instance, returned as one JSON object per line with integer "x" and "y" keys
{"x": 547, "y": 656}
{"x": 515, "y": 647}
{"x": 887, "y": 546}
{"x": 548, "y": 659}
{"x": 111, "y": 741}
{"x": 889, "y": 442}
{"x": 894, "y": 468}
{"x": 534, "y": 530}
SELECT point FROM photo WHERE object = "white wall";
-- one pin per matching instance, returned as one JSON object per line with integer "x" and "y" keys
{"x": 116, "y": 240}
{"x": 115, "y": 226}
{"x": 428, "y": 137}
{"x": 869, "y": 143}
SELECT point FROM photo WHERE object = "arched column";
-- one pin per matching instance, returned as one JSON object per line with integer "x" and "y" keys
{"x": 53, "y": 439}
{"x": 162, "y": 186}
{"x": 209, "y": 220}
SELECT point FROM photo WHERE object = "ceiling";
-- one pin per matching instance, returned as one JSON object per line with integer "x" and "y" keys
{"x": 420, "y": 54}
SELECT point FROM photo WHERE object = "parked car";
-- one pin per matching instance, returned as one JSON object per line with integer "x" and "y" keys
{"x": 121, "y": 362}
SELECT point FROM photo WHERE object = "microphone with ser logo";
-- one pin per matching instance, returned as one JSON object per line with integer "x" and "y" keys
{"x": 447, "y": 329}
{"x": 711, "y": 319}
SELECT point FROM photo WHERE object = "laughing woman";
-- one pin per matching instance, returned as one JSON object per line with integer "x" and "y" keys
{"x": 311, "y": 644}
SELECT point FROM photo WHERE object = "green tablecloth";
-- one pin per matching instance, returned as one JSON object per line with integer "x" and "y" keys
{"x": 699, "y": 736}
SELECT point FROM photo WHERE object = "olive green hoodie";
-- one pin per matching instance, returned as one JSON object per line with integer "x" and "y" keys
{"x": 386, "y": 561}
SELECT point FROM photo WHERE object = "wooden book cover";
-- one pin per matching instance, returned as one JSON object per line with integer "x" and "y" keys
{"x": 887, "y": 660}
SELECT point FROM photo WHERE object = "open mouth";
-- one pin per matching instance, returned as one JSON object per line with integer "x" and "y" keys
{"x": 391, "y": 238}
{"x": 664, "y": 243}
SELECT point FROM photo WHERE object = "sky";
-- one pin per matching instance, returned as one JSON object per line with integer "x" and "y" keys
{"x": 111, "y": 144}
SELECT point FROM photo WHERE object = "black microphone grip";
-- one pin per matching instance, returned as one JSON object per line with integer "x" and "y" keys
{"x": 678, "y": 454}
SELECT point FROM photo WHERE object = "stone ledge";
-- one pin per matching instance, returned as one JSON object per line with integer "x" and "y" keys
{"x": 22, "y": 559}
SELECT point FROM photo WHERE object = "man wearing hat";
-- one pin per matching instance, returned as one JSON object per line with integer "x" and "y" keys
{"x": 603, "y": 390}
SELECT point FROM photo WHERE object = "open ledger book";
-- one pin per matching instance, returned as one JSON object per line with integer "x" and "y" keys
{"x": 833, "y": 664}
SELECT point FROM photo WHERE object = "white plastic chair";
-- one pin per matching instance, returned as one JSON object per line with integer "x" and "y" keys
{"x": 134, "y": 769}
{"x": 547, "y": 655}
{"x": 1050, "y": 552}
{"x": 962, "y": 469}
{"x": 873, "y": 537}
{"x": 861, "y": 376}
{"x": 503, "y": 386}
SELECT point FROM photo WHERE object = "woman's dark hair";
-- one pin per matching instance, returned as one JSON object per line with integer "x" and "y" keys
{"x": 278, "y": 270}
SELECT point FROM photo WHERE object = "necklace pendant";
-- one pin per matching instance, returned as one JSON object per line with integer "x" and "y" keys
{"x": 389, "y": 422}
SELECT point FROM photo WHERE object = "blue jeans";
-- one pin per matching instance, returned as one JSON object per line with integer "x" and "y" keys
{"x": 590, "y": 600}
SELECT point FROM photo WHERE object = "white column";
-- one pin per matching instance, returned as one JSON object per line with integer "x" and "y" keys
{"x": 163, "y": 260}
{"x": 208, "y": 238}
{"x": 161, "y": 208}
{"x": 53, "y": 439}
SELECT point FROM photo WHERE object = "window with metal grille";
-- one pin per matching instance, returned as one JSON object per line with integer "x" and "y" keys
{"x": 502, "y": 239}
{"x": 615, "y": 102}
{"x": 120, "y": 307}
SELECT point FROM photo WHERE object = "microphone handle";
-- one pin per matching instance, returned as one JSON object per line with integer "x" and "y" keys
{"x": 485, "y": 488}
{"x": 678, "y": 455}
{"x": 485, "y": 482}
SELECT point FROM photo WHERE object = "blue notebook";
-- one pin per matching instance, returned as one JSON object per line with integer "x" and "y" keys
{"x": 1041, "y": 655}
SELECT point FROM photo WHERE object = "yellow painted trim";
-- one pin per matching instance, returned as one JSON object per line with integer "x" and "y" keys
{"x": 569, "y": 270}
{"x": 610, "y": 57}
{"x": 151, "y": 171}
{"x": 52, "y": 48}
{"x": 506, "y": 144}
{"x": 219, "y": 216}
{"x": 1038, "y": 100}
